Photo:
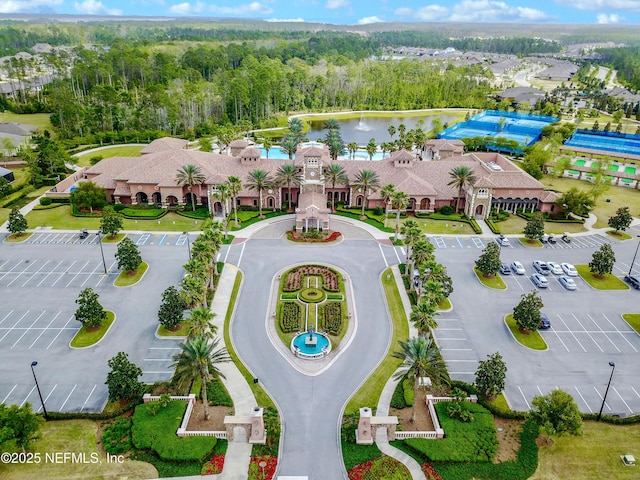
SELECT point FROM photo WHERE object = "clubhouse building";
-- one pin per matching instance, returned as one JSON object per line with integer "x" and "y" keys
{"x": 150, "y": 179}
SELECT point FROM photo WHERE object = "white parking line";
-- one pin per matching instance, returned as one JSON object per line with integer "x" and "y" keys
{"x": 90, "y": 275}
{"x": 7, "y": 316}
{"x": 625, "y": 403}
{"x": 85, "y": 402}
{"x": 45, "y": 400}
{"x": 241, "y": 253}
{"x": 181, "y": 240}
{"x": 162, "y": 239}
{"x": 35, "y": 273}
{"x": 63, "y": 273}
{"x": 395, "y": 250}
{"x": 27, "y": 397}
{"x": 563, "y": 344}
{"x": 634, "y": 391}
{"x": 47, "y": 275}
{"x": 5, "y": 262}
{"x": 14, "y": 325}
{"x": 226, "y": 254}
{"x": 4, "y": 400}
{"x": 539, "y": 390}
{"x": 525, "y": 398}
{"x": 44, "y": 329}
{"x": 572, "y": 334}
{"x": 605, "y": 334}
{"x": 143, "y": 239}
{"x": 29, "y": 328}
{"x": 67, "y": 399}
{"x": 585, "y": 402}
{"x": 440, "y": 242}
{"x": 79, "y": 272}
{"x": 585, "y": 331}
{"x": 18, "y": 276}
{"x": 54, "y": 338}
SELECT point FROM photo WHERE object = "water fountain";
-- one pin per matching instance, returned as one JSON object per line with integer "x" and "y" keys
{"x": 310, "y": 345}
{"x": 363, "y": 127}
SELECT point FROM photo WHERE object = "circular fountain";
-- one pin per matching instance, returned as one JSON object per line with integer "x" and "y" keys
{"x": 310, "y": 345}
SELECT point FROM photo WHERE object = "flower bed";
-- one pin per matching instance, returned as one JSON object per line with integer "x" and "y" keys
{"x": 430, "y": 472}
{"x": 256, "y": 472}
{"x": 383, "y": 468}
{"x": 290, "y": 317}
{"x": 214, "y": 466}
{"x": 294, "y": 237}
{"x": 332, "y": 315}
{"x": 293, "y": 281}
{"x": 312, "y": 295}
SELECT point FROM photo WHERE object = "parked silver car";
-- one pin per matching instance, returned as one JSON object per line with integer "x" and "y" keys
{"x": 540, "y": 280}
{"x": 567, "y": 282}
{"x": 569, "y": 269}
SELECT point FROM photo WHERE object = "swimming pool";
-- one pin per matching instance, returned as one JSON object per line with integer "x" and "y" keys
{"x": 278, "y": 153}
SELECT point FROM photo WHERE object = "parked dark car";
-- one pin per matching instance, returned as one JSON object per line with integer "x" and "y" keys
{"x": 83, "y": 234}
{"x": 566, "y": 239}
{"x": 633, "y": 280}
{"x": 504, "y": 269}
{"x": 544, "y": 322}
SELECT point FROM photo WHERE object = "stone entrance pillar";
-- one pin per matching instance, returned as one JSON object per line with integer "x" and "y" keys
{"x": 364, "y": 435}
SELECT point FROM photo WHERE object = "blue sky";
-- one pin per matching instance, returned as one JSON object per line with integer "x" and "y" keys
{"x": 352, "y": 11}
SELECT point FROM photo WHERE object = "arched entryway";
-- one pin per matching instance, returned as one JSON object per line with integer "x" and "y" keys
{"x": 217, "y": 208}
{"x": 425, "y": 204}
{"x": 142, "y": 197}
{"x": 189, "y": 198}
{"x": 271, "y": 202}
{"x": 172, "y": 201}
{"x": 156, "y": 198}
{"x": 480, "y": 210}
{"x": 359, "y": 200}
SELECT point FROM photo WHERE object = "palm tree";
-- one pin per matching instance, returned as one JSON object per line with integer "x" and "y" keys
{"x": 266, "y": 144}
{"x": 423, "y": 317}
{"x": 353, "y": 148}
{"x": 259, "y": 180}
{"x": 420, "y": 358}
{"x": 331, "y": 124}
{"x": 461, "y": 176}
{"x": 399, "y": 201}
{"x": 392, "y": 131}
{"x": 422, "y": 252}
{"x": 334, "y": 142}
{"x": 190, "y": 175}
{"x": 296, "y": 128}
{"x": 199, "y": 357}
{"x": 371, "y": 148}
{"x": 367, "y": 181}
{"x": 223, "y": 194}
{"x": 198, "y": 323}
{"x": 335, "y": 174}
{"x": 412, "y": 233}
{"x": 235, "y": 187}
{"x": 386, "y": 193}
{"x": 211, "y": 239}
{"x": 289, "y": 145}
{"x": 287, "y": 175}
{"x": 194, "y": 291}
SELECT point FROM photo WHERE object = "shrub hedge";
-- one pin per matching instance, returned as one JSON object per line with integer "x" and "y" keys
{"x": 158, "y": 433}
{"x": 217, "y": 394}
{"x": 290, "y": 316}
{"x": 397, "y": 399}
{"x": 464, "y": 442}
{"x": 407, "y": 392}
{"x": 492, "y": 226}
{"x": 135, "y": 213}
{"x": 116, "y": 438}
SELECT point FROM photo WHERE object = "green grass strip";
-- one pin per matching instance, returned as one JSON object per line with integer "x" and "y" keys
{"x": 495, "y": 282}
{"x": 369, "y": 393}
{"x": 533, "y": 340}
{"x": 261, "y": 396}
{"x": 633, "y": 319}
{"x": 530, "y": 242}
{"x": 180, "y": 332}
{"x": 445, "y": 305}
{"x": 115, "y": 239}
{"x": 84, "y": 339}
{"x": 126, "y": 280}
{"x": 14, "y": 237}
{"x": 607, "y": 282}
{"x": 620, "y": 235}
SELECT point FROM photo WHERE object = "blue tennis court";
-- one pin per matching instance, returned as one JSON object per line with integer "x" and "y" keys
{"x": 608, "y": 141}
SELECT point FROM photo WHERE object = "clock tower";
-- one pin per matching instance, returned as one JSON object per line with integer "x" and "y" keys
{"x": 312, "y": 212}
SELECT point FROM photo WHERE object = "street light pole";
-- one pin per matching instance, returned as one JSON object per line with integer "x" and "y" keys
{"x": 613, "y": 367}
{"x": 634, "y": 256}
{"x": 104, "y": 264}
{"x": 33, "y": 364}
{"x": 188, "y": 244}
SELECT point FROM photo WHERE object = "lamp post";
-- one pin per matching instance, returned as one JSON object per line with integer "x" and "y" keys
{"x": 104, "y": 264}
{"x": 188, "y": 244}
{"x": 613, "y": 367}
{"x": 634, "y": 256}
{"x": 33, "y": 364}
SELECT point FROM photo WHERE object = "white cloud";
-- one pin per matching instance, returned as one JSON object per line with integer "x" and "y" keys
{"x": 31, "y": 6}
{"x": 632, "y": 5}
{"x": 93, "y": 7}
{"x": 284, "y": 20}
{"x": 247, "y": 9}
{"x": 403, "y": 12}
{"x": 494, "y": 11}
{"x": 432, "y": 13}
{"x": 332, "y": 4}
{"x": 612, "y": 18}
{"x": 368, "y": 20}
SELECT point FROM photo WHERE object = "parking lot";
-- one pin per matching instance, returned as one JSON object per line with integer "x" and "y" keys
{"x": 160, "y": 239}
{"x": 40, "y": 273}
{"x": 582, "y": 241}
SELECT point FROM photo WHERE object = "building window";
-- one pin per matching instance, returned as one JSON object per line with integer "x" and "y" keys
{"x": 483, "y": 192}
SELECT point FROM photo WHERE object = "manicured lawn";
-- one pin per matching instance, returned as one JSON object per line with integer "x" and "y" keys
{"x": 116, "y": 239}
{"x": 180, "y": 332}
{"x": 532, "y": 243}
{"x": 61, "y": 218}
{"x": 633, "y": 319}
{"x": 594, "y": 455}
{"x": 84, "y": 159}
{"x": 491, "y": 282}
{"x": 84, "y": 338}
{"x": 444, "y": 227}
{"x": 14, "y": 238}
{"x": 4, "y": 215}
{"x": 533, "y": 340}
{"x": 126, "y": 280}
{"x": 620, "y": 197}
{"x": 40, "y": 120}
{"x": 516, "y": 224}
{"x": 608, "y": 282}
{"x": 74, "y": 436}
{"x": 369, "y": 393}
{"x": 445, "y": 305}
{"x": 619, "y": 234}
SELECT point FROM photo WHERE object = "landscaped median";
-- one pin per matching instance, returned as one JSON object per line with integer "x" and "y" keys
{"x": 495, "y": 282}
{"x": 89, "y": 337}
{"x": 126, "y": 279}
{"x": 633, "y": 319}
{"x": 530, "y": 242}
{"x": 605, "y": 282}
{"x": 532, "y": 340}
{"x": 17, "y": 237}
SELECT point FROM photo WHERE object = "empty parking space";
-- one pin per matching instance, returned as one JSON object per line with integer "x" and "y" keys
{"x": 156, "y": 366}
{"x": 54, "y": 273}
{"x": 591, "y": 333}
{"x": 57, "y": 397}
{"x": 36, "y": 329}
{"x": 622, "y": 399}
{"x": 456, "y": 347}
{"x": 53, "y": 238}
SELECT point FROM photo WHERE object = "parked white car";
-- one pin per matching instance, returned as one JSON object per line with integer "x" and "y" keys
{"x": 555, "y": 268}
{"x": 569, "y": 269}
